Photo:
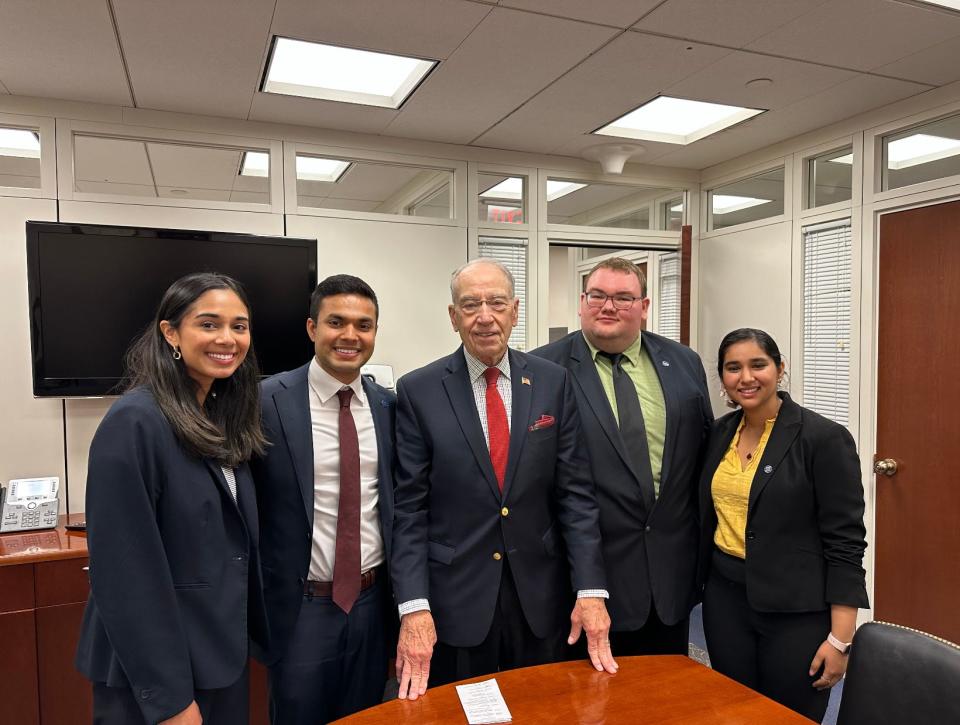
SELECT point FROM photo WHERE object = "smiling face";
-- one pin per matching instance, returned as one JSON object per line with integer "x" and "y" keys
{"x": 750, "y": 378}
{"x": 344, "y": 335}
{"x": 213, "y": 337}
{"x": 606, "y": 327}
{"x": 484, "y": 312}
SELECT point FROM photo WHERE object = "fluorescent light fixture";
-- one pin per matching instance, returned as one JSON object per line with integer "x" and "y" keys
{"x": 847, "y": 159}
{"x": 255, "y": 163}
{"x": 509, "y": 188}
{"x": 676, "y": 120}
{"x": 19, "y": 142}
{"x": 311, "y": 168}
{"x": 952, "y": 4}
{"x": 920, "y": 148}
{"x": 557, "y": 189}
{"x": 725, "y": 203}
{"x": 347, "y": 75}
{"x": 678, "y": 207}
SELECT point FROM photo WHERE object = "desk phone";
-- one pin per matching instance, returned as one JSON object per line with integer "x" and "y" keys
{"x": 29, "y": 503}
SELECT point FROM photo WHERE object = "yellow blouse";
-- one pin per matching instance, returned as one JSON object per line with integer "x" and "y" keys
{"x": 731, "y": 493}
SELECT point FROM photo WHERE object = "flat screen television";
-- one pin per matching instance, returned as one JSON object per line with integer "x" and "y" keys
{"x": 94, "y": 288}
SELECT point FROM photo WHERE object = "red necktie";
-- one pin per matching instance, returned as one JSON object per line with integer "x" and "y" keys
{"x": 497, "y": 426}
{"x": 346, "y": 565}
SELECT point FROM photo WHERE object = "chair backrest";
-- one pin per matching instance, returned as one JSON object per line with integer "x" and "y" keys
{"x": 900, "y": 675}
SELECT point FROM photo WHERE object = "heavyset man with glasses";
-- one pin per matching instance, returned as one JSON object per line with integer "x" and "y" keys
{"x": 495, "y": 512}
{"x": 645, "y": 415}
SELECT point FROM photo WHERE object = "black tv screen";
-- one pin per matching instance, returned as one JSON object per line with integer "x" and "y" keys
{"x": 93, "y": 289}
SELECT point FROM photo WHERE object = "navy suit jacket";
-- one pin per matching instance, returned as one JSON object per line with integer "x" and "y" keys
{"x": 805, "y": 536}
{"x": 174, "y": 575}
{"x": 285, "y": 494}
{"x": 453, "y": 527}
{"x": 650, "y": 548}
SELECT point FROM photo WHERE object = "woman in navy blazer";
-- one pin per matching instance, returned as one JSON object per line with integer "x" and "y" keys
{"x": 172, "y": 521}
{"x": 782, "y": 535}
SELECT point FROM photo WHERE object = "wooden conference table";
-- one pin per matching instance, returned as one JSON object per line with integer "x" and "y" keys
{"x": 663, "y": 689}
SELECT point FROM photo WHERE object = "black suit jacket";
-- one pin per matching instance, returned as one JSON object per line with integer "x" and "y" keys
{"x": 174, "y": 574}
{"x": 805, "y": 532}
{"x": 285, "y": 494}
{"x": 451, "y": 519}
{"x": 650, "y": 548}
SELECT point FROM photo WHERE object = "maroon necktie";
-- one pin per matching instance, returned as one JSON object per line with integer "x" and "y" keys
{"x": 346, "y": 566}
{"x": 497, "y": 426}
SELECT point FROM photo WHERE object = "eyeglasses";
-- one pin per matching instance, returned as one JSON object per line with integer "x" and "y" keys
{"x": 471, "y": 306}
{"x": 621, "y": 302}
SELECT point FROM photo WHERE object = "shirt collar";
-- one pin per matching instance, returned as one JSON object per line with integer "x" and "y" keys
{"x": 632, "y": 353}
{"x": 475, "y": 368}
{"x": 326, "y": 386}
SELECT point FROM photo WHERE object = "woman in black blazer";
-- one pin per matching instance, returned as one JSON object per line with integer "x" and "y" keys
{"x": 172, "y": 521}
{"x": 782, "y": 535}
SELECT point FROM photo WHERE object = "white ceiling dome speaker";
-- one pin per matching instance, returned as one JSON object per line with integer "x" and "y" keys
{"x": 612, "y": 156}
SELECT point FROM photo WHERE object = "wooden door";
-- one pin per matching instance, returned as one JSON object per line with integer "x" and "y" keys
{"x": 918, "y": 420}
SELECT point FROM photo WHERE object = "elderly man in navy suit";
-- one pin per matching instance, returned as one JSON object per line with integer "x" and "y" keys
{"x": 646, "y": 414}
{"x": 325, "y": 495}
{"x": 496, "y": 526}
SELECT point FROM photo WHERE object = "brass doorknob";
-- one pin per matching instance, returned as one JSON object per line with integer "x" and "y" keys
{"x": 885, "y": 466}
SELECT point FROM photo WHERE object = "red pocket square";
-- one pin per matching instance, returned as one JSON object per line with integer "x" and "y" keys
{"x": 544, "y": 421}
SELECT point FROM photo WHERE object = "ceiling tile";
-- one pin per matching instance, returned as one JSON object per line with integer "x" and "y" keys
{"x": 422, "y": 28}
{"x": 117, "y": 161}
{"x": 621, "y": 13}
{"x": 626, "y": 73}
{"x": 859, "y": 34}
{"x": 732, "y": 22}
{"x": 61, "y": 50}
{"x": 320, "y": 114}
{"x": 506, "y": 60}
{"x": 195, "y": 57}
{"x": 193, "y": 167}
{"x": 725, "y": 81}
{"x": 938, "y": 64}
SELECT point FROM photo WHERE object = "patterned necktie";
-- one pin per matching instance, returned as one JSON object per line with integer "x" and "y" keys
{"x": 632, "y": 427}
{"x": 346, "y": 565}
{"x": 497, "y": 426}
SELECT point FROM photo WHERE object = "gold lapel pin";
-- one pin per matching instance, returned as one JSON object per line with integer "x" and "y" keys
{"x": 525, "y": 381}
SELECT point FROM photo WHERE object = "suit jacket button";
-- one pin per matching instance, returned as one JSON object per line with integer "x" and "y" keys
{"x": 497, "y": 556}
{"x": 504, "y": 512}
{"x": 751, "y": 535}
{"x": 648, "y": 529}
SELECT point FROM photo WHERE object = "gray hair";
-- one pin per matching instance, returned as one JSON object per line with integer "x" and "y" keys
{"x": 480, "y": 260}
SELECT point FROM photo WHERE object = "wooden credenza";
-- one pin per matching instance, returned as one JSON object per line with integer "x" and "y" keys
{"x": 43, "y": 591}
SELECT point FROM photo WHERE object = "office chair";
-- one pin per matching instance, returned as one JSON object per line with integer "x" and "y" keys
{"x": 899, "y": 675}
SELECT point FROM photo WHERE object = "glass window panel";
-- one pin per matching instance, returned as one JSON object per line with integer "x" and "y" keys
{"x": 923, "y": 153}
{"x": 830, "y": 178}
{"x": 600, "y": 205}
{"x": 671, "y": 215}
{"x": 162, "y": 170}
{"x": 19, "y": 157}
{"x": 746, "y": 200}
{"x": 501, "y": 198}
{"x": 370, "y": 186}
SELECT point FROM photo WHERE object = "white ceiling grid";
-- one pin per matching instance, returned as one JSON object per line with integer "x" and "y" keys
{"x": 528, "y": 75}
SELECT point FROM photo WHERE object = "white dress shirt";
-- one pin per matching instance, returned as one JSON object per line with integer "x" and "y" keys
{"x": 325, "y": 423}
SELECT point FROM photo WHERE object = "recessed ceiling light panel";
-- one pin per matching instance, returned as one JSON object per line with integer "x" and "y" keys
{"x": 557, "y": 189}
{"x": 19, "y": 142}
{"x": 255, "y": 163}
{"x": 312, "y": 168}
{"x": 920, "y": 148}
{"x": 509, "y": 188}
{"x": 727, "y": 203}
{"x": 676, "y": 120}
{"x": 952, "y": 4}
{"x": 347, "y": 75}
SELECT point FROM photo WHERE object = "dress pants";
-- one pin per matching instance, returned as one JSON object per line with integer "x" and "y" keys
{"x": 769, "y": 652}
{"x": 336, "y": 663}
{"x": 510, "y": 643}
{"x": 223, "y": 706}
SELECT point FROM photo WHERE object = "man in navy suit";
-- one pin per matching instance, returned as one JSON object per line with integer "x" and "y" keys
{"x": 496, "y": 519}
{"x": 325, "y": 492}
{"x": 646, "y": 414}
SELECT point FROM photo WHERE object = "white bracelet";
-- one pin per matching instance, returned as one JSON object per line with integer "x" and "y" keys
{"x": 842, "y": 647}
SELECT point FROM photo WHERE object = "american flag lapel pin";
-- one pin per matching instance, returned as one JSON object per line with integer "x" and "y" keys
{"x": 525, "y": 381}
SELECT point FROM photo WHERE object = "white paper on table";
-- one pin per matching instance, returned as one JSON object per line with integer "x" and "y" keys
{"x": 482, "y": 703}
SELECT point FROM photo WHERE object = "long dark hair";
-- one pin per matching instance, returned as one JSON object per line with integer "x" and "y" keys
{"x": 227, "y": 427}
{"x": 745, "y": 334}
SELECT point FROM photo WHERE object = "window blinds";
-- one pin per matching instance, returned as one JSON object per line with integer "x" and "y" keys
{"x": 668, "y": 298}
{"x": 513, "y": 254}
{"x": 826, "y": 319}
